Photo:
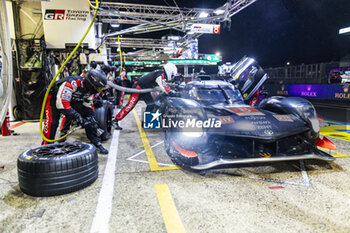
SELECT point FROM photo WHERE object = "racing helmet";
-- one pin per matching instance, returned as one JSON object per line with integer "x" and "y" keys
{"x": 107, "y": 68}
{"x": 93, "y": 64}
{"x": 95, "y": 81}
{"x": 170, "y": 70}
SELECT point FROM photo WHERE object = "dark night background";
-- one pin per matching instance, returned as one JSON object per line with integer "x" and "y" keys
{"x": 278, "y": 31}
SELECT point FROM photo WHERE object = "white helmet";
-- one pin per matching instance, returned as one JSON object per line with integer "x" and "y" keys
{"x": 170, "y": 70}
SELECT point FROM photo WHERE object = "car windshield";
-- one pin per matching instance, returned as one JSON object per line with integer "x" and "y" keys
{"x": 215, "y": 94}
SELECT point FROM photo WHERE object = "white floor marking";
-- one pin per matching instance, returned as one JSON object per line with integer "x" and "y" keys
{"x": 304, "y": 175}
{"x": 143, "y": 151}
{"x": 103, "y": 212}
{"x": 161, "y": 164}
{"x": 132, "y": 158}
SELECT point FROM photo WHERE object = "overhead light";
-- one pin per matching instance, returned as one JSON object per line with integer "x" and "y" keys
{"x": 344, "y": 30}
{"x": 288, "y": 63}
{"x": 174, "y": 38}
{"x": 115, "y": 25}
{"x": 203, "y": 15}
{"x": 219, "y": 11}
{"x": 217, "y": 54}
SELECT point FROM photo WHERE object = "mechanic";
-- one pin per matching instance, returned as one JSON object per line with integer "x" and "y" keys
{"x": 92, "y": 65}
{"x": 71, "y": 96}
{"x": 123, "y": 81}
{"x": 150, "y": 80}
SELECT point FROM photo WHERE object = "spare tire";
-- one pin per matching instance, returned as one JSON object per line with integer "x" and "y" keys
{"x": 57, "y": 169}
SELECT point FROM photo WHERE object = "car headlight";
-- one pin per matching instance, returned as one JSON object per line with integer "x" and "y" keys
{"x": 193, "y": 134}
{"x": 308, "y": 113}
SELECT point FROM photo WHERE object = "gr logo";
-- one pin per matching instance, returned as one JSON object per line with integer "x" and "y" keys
{"x": 54, "y": 14}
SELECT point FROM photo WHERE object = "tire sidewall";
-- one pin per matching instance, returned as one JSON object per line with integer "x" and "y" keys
{"x": 28, "y": 157}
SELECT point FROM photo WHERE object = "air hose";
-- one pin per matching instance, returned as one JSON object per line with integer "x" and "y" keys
{"x": 131, "y": 90}
{"x": 59, "y": 71}
{"x": 120, "y": 56}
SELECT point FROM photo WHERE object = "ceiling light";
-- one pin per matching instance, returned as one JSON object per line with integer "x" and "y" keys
{"x": 115, "y": 25}
{"x": 219, "y": 11}
{"x": 203, "y": 15}
{"x": 344, "y": 30}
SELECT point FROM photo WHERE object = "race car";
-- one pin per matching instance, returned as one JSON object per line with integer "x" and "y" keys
{"x": 209, "y": 125}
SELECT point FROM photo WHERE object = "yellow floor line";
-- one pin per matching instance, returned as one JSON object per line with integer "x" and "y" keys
{"x": 171, "y": 217}
{"x": 333, "y": 131}
{"x": 334, "y": 153}
{"x": 152, "y": 161}
{"x": 337, "y": 154}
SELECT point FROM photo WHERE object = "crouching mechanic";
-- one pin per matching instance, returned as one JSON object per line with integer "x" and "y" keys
{"x": 150, "y": 80}
{"x": 71, "y": 96}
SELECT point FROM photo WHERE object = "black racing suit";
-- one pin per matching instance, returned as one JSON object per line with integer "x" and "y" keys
{"x": 150, "y": 80}
{"x": 68, "y": 97}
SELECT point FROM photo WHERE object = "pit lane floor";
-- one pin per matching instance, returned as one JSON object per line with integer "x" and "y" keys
{"x": 145, "y": 192}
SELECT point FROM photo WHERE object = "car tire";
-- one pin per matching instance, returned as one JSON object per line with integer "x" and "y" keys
{"x": 17, "y": 113}
{"x": 103, "y": 116}
{"x": 57, "y": 169}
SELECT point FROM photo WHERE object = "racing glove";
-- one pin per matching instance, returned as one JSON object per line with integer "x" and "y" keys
{"x": 98, "y": 103}
{"x": 173, "y": 94}
{"x": 81, "y": 121}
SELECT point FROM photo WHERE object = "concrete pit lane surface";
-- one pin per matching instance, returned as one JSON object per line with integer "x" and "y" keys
{"x": 140, "y": 190}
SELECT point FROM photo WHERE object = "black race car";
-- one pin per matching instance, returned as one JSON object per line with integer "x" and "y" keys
{"x": 210, "y": 124}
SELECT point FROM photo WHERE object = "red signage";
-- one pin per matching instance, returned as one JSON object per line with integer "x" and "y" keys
{"x": 246, "y": 111}
{"x": 226, "y": 120}
{"x": 283, "y": 118}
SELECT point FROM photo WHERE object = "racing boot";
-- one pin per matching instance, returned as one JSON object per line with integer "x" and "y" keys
{"x": 101, "y": 149}
{"x": 116, "y": 125}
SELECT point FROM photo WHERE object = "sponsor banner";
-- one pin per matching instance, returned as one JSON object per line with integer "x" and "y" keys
{"x": 56, "y": 14}
{"x": 309, "y": 91}
{"x": 341, "y": 92}
{"x": 65, "y": 21}
{"x": 318, "y": 91}
{"x": 205, "y": 28}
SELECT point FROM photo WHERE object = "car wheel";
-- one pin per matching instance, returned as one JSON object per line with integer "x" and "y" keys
{"x": 57, "y": 169}
{"x": 107, "y": 133}
{"x": 167, "y": 141}
{"x": 103, "y": 116}
{"x": 17, "y": 113}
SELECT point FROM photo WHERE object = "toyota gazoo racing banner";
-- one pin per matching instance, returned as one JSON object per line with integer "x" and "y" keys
{"x": 59, "y": 14}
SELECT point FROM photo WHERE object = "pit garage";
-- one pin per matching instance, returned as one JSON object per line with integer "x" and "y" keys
{"x": 277, "y": 162}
